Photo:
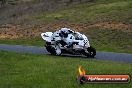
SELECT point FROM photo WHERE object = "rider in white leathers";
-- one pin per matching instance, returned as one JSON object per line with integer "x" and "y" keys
{"x": 67, "y": 40}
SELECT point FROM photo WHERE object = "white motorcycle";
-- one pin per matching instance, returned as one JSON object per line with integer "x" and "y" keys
{"x": 67, "y": 41}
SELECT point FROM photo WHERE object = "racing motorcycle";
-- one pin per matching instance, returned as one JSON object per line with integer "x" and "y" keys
{"x": 67, "y": 41}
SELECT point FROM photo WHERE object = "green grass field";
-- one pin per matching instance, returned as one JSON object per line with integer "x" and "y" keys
{"x": 46, "y": 71}
{"x": 99, "y": 11}
{"x": 110, "y": 40}
{"x": 90, "y": 12}
{"x": 29, "y": 41}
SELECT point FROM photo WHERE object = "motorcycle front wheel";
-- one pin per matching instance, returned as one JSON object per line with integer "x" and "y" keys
{"x": 91, "y": 52}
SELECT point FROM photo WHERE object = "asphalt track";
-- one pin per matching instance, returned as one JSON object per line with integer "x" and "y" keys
{"x": 111, "y": 56}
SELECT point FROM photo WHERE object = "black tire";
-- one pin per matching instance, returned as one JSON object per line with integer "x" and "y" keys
{"x": 91, "y": 51}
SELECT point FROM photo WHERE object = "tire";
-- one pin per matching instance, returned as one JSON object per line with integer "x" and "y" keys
{"x": 91, "y": 51}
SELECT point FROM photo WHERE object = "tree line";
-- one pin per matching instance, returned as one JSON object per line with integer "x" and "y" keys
{"x": 3, "y": 2}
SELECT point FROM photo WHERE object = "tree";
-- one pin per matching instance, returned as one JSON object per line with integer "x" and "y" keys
{"x": 3, "y": 2}
{"x": 70, "y": 1}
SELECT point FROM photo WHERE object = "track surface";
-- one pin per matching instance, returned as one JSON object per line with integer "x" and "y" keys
{"x": 118, "y": 57}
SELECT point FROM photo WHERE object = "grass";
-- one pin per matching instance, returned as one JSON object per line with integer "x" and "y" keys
{"x": 111, "y": 40}
{"x": 29, "y": 41}
{"x": 89, "y": 13}
{"x": 45, "y": 71}
{"x": 97, "y": 11}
